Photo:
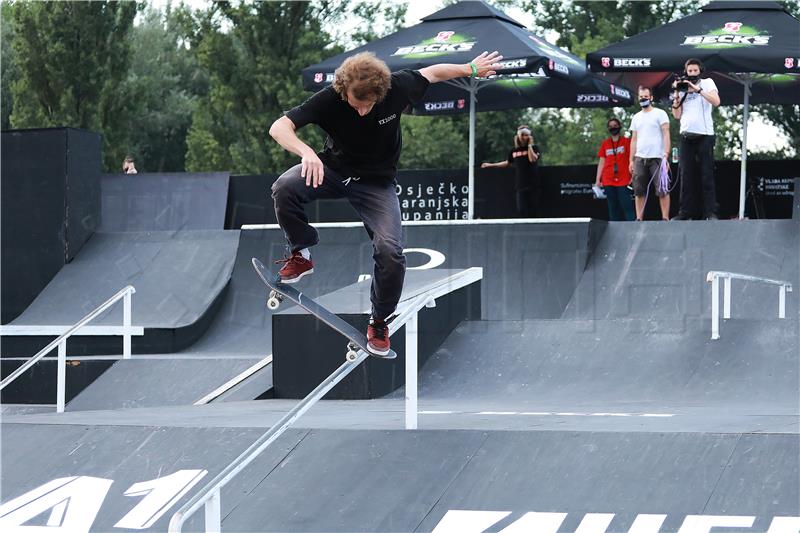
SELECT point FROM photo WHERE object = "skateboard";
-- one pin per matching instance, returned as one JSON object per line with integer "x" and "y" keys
{"x": 279, "y": 291}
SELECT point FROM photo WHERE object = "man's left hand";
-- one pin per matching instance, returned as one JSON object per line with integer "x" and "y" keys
{"x": 693, "y": 88}
{"x": 487, "y": 64}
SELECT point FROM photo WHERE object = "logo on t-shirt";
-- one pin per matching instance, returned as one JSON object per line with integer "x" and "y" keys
{"x": 387, "y": 119}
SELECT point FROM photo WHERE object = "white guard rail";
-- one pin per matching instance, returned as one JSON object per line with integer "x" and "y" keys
{"x": 61, "y": 343}
{"x": 714, "y": 276}
{"x": 210, "y": 495}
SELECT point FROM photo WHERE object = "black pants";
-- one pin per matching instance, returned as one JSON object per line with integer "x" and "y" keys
{"x": 528, "y": 202}
{"x": 375, "y": 202}
{"x": 697, "y": 165}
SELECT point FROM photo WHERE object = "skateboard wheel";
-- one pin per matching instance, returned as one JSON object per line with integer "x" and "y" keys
{"x": 273, "y": 303}
{"x": 352, "y": 356}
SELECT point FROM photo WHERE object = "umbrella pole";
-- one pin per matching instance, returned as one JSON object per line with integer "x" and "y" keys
{"x": 471, "y": 193}
{"x": 743, "y": 170}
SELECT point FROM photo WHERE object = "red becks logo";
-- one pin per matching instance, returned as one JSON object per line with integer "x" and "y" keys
{"x": 605, "y": 61}
{"x": 788, "y": 62}
{"x": 318, "y": 77}
{"x": 444, "y": 35}
{"x": 733, "y": 26}
{"x": 461, "y": 103}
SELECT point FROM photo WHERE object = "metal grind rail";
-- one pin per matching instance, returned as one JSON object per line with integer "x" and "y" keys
{"x": 714, "y": 276}
{"x": 210, "y": 495}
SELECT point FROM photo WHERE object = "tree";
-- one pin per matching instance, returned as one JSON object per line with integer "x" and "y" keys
{"x": 160, "y": 92}
{"x": 253, "y": 55}
{"x": 72, "y": 59}
{"x": 9, "y": 71}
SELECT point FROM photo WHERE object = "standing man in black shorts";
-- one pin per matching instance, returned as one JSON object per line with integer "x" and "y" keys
{"x": 360, "y": 113}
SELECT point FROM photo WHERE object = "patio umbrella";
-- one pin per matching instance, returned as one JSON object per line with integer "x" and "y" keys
{"x": 533, "y": 72}
{"x": 750, "y": 49}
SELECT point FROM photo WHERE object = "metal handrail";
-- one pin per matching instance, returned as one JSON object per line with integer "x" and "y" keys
{"x": 713, "y": 278}
{"x": 61, "y": 343}
{"x": 210, "y": 495}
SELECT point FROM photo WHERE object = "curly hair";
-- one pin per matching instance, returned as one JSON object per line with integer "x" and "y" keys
{"x": 364, "y": 75}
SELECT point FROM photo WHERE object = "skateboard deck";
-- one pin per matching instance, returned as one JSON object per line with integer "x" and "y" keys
{"x": 279, "y": 291}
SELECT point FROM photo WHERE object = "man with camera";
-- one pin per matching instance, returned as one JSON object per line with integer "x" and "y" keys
{"x": 693, "y": 99}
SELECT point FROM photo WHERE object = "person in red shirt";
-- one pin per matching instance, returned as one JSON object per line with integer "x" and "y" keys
{"x": 613, "y": 172}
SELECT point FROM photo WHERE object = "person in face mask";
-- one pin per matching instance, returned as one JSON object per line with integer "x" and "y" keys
{"x": 613, "y": 173}
{"x": 693, "y": 108}
{"x": 650, "y": 145}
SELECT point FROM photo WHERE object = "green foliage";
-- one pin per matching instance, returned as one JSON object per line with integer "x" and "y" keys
{"x": 9, "y": 71}
{"x": 253, "y": 55}
{"x": 160, "y": 93}
{"x": 72, "y": 59}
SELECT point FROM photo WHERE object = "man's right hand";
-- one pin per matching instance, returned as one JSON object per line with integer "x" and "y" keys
{"x": 630, "y": 166}
{"x": 312, "y": 170}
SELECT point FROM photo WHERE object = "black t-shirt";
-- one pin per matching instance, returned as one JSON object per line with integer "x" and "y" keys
{"x": 527, "y": 173}
{"x": 367, "y": 146}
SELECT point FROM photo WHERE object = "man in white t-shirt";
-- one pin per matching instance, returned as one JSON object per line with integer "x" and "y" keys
{"x": 649, "y": 147}
{"x": 692, "y": 107}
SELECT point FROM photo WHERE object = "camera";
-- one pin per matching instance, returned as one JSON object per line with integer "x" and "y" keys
{"x": 682, "y": 81}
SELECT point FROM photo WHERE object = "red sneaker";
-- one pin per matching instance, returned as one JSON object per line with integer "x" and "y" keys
{"x": 294, "y": 267}
{"x": 378, "y": 337}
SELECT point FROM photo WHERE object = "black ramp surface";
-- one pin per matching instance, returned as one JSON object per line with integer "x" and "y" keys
{"x": 534, "y": 363}
{"x": 159, "y": 202}
{"x": 657, "y": 271}
{"x": 176, "y": 274}
{"x": 407, "y": 481}
{"x": 127, "y": 456}
{"x": 157, "y": 382}
{"x": 353, "y": 481}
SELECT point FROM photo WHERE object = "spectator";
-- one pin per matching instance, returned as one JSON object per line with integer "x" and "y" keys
{"x": 692, "y": 107}
{"x": 649, "y": 149}
{"x": 128, "y": 167}
{"x": 613, "y": 173}
{"x": 525, "y": 159}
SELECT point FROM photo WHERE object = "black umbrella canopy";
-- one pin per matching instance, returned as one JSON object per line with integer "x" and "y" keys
{"x": 458, "y": 33}
{"x": 731, "y": 38}
{"x": 725, "y": 36}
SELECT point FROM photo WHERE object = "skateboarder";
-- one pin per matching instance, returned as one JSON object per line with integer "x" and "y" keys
{"x": 360, "y": 113}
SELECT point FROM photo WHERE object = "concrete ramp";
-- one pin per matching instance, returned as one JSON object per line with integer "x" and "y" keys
{"x": 177, "y": 201}
{"x": 159, "y": 381}
{"x": 656, "y": 271}
{"x": 177, "y": 275}
{"x": 534, "y": 364}
{"x": 444, "y": 481}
